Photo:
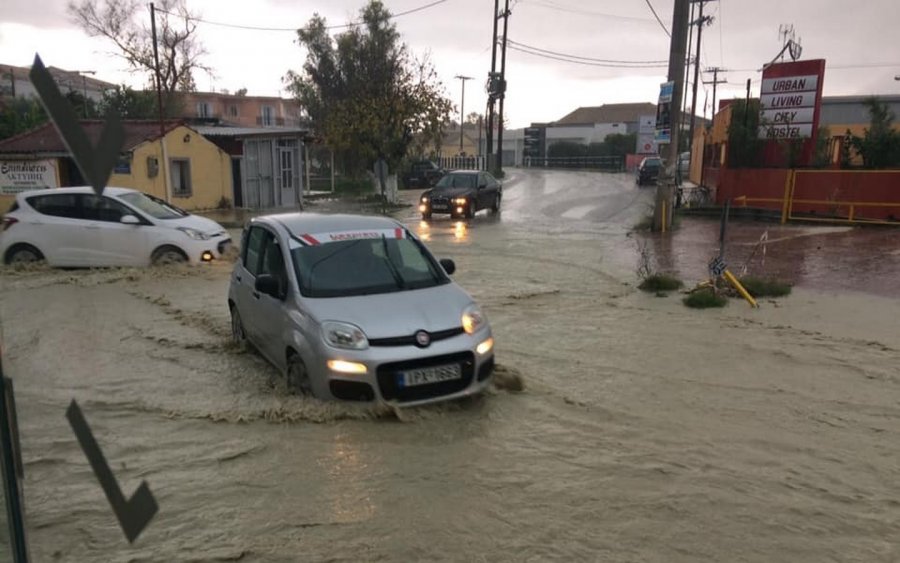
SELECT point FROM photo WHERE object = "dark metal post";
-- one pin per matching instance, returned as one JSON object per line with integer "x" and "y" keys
{"x": 159, "y": 100}
{"x": 700, "y": 23}
{"x": 502, "y": 92}
{"x": 747, "y": 105}
{"x": 489, "y": 134}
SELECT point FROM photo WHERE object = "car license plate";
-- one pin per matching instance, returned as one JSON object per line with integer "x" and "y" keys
{"x": 424, "y": 376}
{"x": 439, "y": 206}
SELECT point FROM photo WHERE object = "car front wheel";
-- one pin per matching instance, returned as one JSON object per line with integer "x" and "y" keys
{"x": 168, "y": 255}
{"x": 470, "y": 209}
{"x": 495, "y": 207}
{"x": 298, "y": 376}
{"x": 238, "y": 337}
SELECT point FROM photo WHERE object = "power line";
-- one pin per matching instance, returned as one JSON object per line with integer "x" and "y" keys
{"x": 587, "y": 63}
{"x": 561, "y": 8}
{"x": 589, "y": 59}
{"x": 655, "y": 15}
{"x": 292, "y": 29}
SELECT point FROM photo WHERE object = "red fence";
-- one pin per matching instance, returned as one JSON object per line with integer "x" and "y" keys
{"x": 827, "y": 195}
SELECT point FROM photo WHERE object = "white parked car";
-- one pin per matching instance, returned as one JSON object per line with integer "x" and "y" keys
{"x": 123, "y": 227}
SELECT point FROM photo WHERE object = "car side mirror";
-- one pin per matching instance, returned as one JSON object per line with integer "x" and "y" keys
{"x": 129, "y": 220}
{"x": 269, "y": 284}
{"x": 448, "y": 265}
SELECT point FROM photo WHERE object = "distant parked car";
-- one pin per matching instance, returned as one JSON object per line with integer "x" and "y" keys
{"x": 423, "y": 174}
{"x": 462, "y": 193}
{"x": 123, "y": 227}
{"x": 356, "y": 308}
{"x": 649, "y": 170}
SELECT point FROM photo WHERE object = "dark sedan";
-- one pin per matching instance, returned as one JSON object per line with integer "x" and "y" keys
{"x": 462, "y": 193}
{"x": 648, "y": 171}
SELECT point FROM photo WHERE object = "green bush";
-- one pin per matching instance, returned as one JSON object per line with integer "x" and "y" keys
{"x": 705, "y": 299}
{"x": 660, "y": 282}
{"x": 759, "y": 287}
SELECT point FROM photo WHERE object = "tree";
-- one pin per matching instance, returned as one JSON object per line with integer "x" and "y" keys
{"x": 365, "y": 94}
{"x": 19, "y": 115}
{"x": 879, "y": 146}
{"x": 180, "y": 51}
{"x": 130, "y": 104}
{"x": 472, "y": 118}
{"x": 619, "y": 144}
{"x": 744, "y": 146}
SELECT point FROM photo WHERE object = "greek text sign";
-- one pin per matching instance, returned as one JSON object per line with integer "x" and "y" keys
{"x": 21, "y": 175}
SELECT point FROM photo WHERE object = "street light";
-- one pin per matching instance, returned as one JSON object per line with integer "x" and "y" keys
{"x": 82, "y": 73}
{"x": 461, "y": 109}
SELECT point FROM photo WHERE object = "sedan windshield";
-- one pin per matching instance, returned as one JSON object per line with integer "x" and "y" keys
{"x": 457, "y": 181}
{"x": 154, "y": 208}
{"x": 652, "y": 163}
{"x": 365, "y": 266}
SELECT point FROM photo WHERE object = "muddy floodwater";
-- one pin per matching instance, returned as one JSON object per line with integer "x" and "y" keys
{"x": 645, "y": 431}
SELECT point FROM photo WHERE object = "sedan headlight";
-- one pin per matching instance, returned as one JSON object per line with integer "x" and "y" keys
{"x": 194, "y": 233}
{"x": 424, "y": 200}
{"x": 344, "y": 335}
{"x": 460, "y": 201}
{"x": 472, "y": 319}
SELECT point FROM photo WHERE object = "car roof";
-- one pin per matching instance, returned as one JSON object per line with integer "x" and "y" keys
{"x": 298, "y": 223}
{"x": 111, "y": 190}
{"x": 464, "y": 172}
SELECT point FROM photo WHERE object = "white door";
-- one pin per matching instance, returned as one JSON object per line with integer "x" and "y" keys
{"x": 109, "y": 242}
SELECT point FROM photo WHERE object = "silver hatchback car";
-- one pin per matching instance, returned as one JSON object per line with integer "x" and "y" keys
{"x": 356, "y": 308}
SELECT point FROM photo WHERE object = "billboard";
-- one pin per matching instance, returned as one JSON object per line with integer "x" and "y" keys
{"x": 664, "y": 113}
{"x": 21, "y": 175}
{"x": 790, "y": 101}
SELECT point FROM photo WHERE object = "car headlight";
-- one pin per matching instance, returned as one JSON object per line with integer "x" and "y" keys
{"x": 472, "y": 319}
{"x": 344, "y": 335}
{"x": 460, "y": 201}
{"x": 194, "y": 233}
{"x": 424, "y": 200}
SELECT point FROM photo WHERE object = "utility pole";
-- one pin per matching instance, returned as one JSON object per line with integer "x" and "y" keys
{"x": 700, "y": 22}
{"x": 462, "y": 106}
{"x": 163, "y": 165}
{"x": 489, "y": 135}
{"x": 687, "y": 62}
{"x": 715, "y": 82}
{"x": 677, "y": 52}
{"x": 502, "y": 92}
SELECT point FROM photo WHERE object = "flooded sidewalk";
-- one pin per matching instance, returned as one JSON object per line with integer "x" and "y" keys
{"x": 818, "y": 257}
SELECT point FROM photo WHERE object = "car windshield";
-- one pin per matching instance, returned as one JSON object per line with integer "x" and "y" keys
{"x": 652, "y": 163}
{"x": 457, "y": 181}
{"x": 152, "y": 207}
{"x": 364, "y": 267}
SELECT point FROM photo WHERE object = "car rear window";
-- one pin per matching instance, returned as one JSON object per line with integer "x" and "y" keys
{"x": 57, "y": 205}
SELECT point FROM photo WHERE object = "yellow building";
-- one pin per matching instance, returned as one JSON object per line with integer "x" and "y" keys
{"x": 179, "y": 165}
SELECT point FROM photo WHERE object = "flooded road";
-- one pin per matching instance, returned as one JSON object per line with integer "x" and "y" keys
{"x": 646, "y": 431}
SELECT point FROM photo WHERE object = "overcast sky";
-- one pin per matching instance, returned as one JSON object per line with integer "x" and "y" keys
{"x": 857, "y": 39}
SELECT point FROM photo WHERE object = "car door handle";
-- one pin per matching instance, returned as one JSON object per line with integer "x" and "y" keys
{"x": 92, "y": 226}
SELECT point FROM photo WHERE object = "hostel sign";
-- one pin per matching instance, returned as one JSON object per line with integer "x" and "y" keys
{"x": 790, "y": 99}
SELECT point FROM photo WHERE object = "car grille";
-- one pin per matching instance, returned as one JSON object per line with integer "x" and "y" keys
{"x": 387, "y": 378}
{"x": 440, "y": 200}
{"x": 411, "y": 339}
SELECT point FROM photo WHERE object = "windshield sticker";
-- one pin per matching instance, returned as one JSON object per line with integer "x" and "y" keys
{"x": 315, "y": 239}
